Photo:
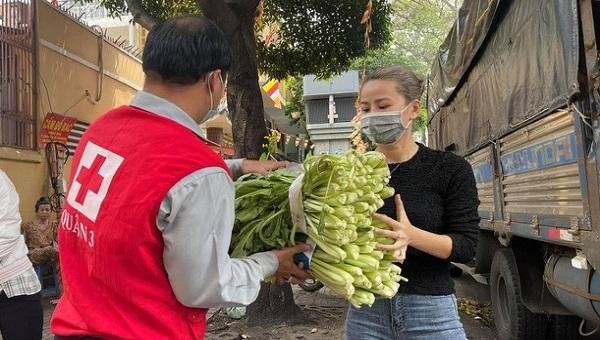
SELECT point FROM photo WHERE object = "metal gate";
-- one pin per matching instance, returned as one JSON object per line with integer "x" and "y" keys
{"x": 17, "y": 74}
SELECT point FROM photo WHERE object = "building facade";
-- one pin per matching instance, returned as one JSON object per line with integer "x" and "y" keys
{"x": 120, "y": 29}
{"x": 330, "y": 108}
{"x": 53, "y": 63}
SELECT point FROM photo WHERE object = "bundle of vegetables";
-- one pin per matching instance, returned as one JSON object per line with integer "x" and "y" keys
{"x": 262, "y": 213}
{"x": 339, "y": 195}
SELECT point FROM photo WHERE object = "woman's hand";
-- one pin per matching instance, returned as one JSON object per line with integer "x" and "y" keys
{"x": 400, "y": 231}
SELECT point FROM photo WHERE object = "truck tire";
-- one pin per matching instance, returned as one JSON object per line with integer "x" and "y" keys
{"x": 512, "y": 319}
{"x": 564, "y": 327}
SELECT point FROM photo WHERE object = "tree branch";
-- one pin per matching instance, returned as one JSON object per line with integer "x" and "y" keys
{"x": 140, "y": 15}
{"x": 451, "y": 5}
{"x": 243, "y": 3}
{"x": 243, "y": 7}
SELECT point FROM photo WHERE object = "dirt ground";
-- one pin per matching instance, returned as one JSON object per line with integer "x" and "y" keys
{"x": 325, "y": 312}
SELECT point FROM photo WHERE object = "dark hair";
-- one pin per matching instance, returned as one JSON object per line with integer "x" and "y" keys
{"x": 407, "y": 82}
{"x": 184, "y": 49}
{"x": 43, "y": 200}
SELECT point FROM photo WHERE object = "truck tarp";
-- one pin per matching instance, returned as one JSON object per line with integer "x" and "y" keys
{"x": 503, "y": 63}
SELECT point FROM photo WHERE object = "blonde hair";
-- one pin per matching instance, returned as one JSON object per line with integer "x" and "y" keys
{"x": 407, "y": 82}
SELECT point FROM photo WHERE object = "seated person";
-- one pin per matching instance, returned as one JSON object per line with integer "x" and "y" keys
{"x": 40, "y": 239}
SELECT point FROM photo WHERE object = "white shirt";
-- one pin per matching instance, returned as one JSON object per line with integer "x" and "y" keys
{"x": 17, "y": 276}
{"x": 196, "y": 221}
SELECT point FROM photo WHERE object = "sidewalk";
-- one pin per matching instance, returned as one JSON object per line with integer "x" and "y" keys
{"x": 48, "y": 309}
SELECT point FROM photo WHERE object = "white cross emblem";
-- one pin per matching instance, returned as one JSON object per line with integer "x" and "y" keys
{"x": 92, "y": 179}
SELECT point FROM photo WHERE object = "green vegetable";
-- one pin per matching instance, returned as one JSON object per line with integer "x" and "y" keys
{"x": 339, "y": 195}
{"x": 352, "y": 250}
{"x": 362, "y": 297}
{"x": 321, "y": 255}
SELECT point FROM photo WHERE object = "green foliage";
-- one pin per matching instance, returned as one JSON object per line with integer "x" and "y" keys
{"x": 419, "y": 27}
{"x": 159, "y": 9}
{"x": 114, "y": 7}
{"x": 421, "y": 121}
{"x": 270, "y": 147}
{"x": 380, "y": 58}
{"x": 319, "y": 37}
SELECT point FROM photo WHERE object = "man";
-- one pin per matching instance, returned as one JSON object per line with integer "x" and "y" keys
{"x": 20, "y": 299}
{"x": 147, "y": 223}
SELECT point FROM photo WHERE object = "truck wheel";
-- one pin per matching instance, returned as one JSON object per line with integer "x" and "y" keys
{"x": 512, "y": 318}
{"x": 564, "y": 327}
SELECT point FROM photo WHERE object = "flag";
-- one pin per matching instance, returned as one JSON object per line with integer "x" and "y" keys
{"x": 272, "y": 88}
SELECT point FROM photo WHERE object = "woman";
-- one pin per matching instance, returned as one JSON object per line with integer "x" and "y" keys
{"x": 40, "y": 238}
{"x": 434, "y": 213}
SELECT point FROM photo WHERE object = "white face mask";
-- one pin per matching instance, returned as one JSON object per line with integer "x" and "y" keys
{"x": 212, "y": 112}
{"x": 384, "y": 127}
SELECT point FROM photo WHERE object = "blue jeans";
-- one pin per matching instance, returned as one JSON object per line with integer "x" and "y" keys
{"x": 406, "y": 317}
{"x": 40, "y": 269}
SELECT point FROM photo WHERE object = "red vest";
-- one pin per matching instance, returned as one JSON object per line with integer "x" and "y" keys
{"x": 115, "y": 283}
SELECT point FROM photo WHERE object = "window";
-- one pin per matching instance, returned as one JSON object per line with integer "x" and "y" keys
{"x": 345, "y": 109}
{"x": 17, "y": 81}
{"x": 318, "y": 110}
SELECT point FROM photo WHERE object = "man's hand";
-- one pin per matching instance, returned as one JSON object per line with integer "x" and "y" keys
{"x": 289, "y": 271}
{"x": 261, "y": 167}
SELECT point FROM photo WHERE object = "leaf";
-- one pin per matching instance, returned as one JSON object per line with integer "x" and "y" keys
{"x": 320, "y": 37}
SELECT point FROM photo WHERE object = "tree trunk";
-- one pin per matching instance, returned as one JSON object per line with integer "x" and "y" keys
{"x": 275, "y": 303}
{"x": 244, "y": 99}
{"x": 139, "y": 14}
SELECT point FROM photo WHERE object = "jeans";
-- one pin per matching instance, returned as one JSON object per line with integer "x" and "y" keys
{"x": 21, "y": 317}
{"x": 406, "y": 317}
{"x": 40, "y": 269}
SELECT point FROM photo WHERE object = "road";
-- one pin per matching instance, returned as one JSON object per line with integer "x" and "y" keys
{"x": 467, "y": 288}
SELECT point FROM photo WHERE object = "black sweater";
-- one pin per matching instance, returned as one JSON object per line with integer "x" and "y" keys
{"x": 439, "y": 194}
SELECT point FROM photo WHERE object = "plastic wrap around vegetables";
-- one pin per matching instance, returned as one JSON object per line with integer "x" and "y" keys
{"x": 339, "y": 195}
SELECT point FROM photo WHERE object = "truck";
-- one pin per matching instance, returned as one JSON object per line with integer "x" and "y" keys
{"x": 515, "y": 89}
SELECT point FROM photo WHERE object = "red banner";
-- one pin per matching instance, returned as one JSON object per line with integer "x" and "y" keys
{"x": 56, "y": 128}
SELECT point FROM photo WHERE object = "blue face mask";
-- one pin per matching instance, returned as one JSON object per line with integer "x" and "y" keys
{"x": 384, "y": 127}
{"x": 213, "y": 111}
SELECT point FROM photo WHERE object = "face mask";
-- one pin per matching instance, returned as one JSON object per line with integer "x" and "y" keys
{"x": 384, "y": 127}
{"x": 212, "y": 112}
